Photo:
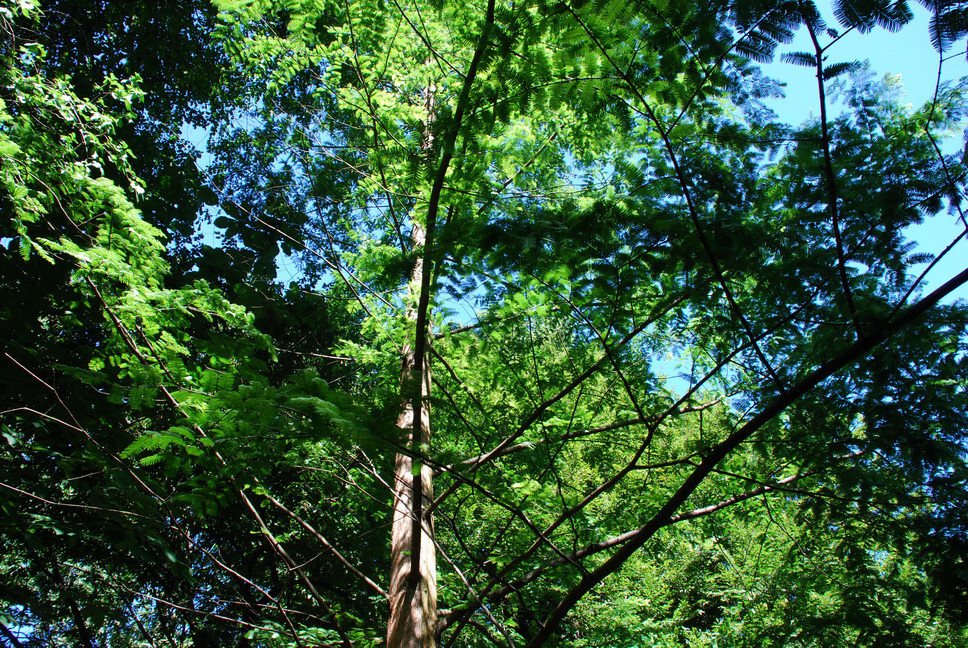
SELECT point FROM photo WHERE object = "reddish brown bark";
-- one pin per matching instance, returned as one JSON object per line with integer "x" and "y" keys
{"x": 413, "y": 569}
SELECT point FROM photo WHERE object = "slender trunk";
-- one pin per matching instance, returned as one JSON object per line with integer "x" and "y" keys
{"x": 413, "y": 571}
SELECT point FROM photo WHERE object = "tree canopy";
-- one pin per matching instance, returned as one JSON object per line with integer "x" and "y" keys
{"x": 476, "y": 324}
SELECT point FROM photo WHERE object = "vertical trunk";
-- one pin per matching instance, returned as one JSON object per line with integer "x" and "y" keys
{"x": 413, "y": 570}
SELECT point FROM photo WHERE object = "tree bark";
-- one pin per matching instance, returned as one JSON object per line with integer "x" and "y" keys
{"x": 413, "y": 570}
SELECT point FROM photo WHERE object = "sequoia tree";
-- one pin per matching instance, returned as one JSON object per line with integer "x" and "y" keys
{"x": 596, "y": 308}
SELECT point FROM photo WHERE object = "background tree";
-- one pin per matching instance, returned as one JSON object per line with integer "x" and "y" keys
{"x": 99, "y": 351}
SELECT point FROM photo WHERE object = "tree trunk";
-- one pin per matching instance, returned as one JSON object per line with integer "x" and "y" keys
{"x": 413, "y": 571}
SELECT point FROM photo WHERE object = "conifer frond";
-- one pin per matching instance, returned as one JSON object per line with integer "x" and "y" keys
{"x": 756, "y": 47}
{"x": 948, "y": 25}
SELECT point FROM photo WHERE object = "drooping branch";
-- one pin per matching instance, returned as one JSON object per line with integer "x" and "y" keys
{"x": 301, "y": 573}
{"x": 273, "y": 542}
{"x": 239, "y": 576}
{"x": 630, "y": 466}
{"x": 546, "y": 404}
{"x": 578, "y": 434}
{"x": 497, "y": 591}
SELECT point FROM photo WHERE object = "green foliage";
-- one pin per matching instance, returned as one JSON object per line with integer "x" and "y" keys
{"x": 686, "y": 388}
{"x": 100, "y": 350}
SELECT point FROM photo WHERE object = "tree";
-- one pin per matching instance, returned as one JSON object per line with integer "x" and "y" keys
{"x": 602, "y": 180}
{"x": 98, "y": 351}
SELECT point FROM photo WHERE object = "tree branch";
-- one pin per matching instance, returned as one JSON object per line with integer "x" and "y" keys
{"x": 851, "y": 354}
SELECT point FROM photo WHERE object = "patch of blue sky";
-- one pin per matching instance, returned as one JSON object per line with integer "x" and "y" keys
{"x": 289, "y": 267}
{"x": 909, "y": 56}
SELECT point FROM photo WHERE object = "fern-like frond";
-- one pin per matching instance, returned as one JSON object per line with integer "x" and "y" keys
{"x": 802, "y": 59}
{"x": 151, "y": 442}
{"x": 756, "y": 47}
{"x": 948, "y": 25}
{"x": 836, "y": 69}
{"x": 863, "y": 15}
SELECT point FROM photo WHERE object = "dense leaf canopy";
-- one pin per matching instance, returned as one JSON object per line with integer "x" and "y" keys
{"x": 476, "y": 324}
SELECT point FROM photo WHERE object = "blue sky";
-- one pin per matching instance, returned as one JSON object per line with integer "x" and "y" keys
{"x": 910, "y": 54}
